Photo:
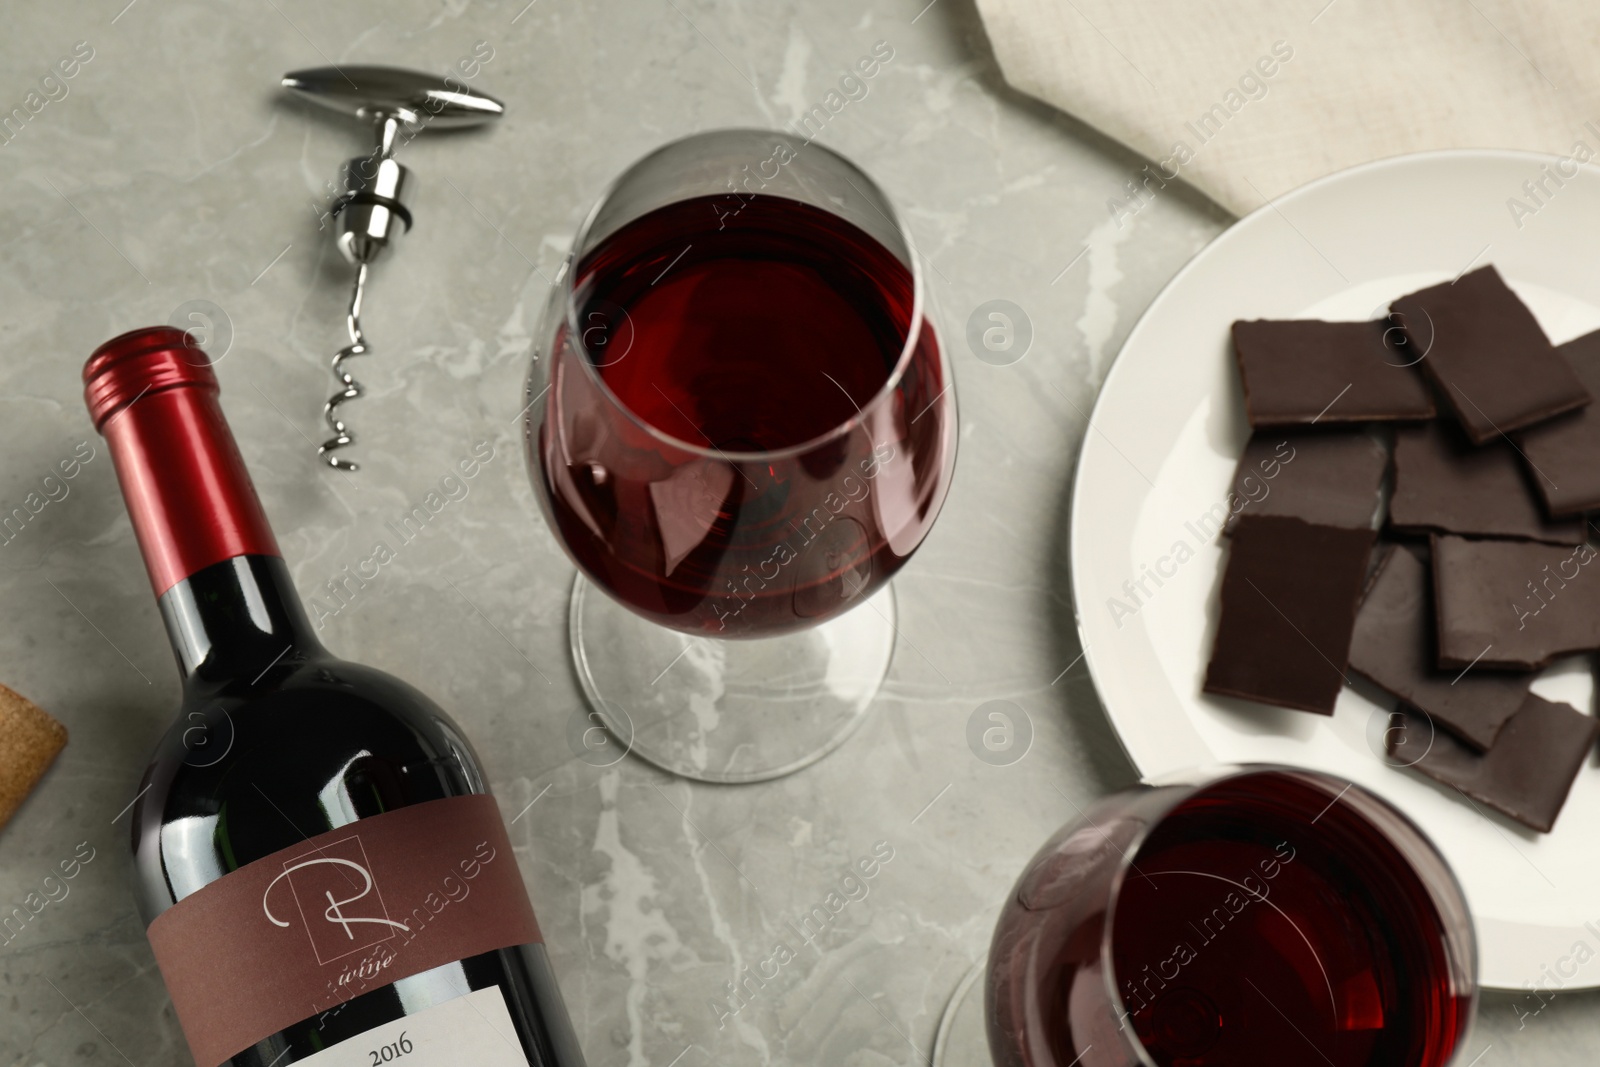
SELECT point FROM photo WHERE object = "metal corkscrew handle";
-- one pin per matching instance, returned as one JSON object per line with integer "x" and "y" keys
{"x": 371, "y": 208}
{"x": 342, "y": 436}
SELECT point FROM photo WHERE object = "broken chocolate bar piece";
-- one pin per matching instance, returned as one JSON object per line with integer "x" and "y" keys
{"x": 1331, "y": 478}
{"x": 1514, "y": 604}
{"x": 1394, "y": 647}
{"x": 1300, "y": 372}
{"x": 1527, "y": 774}
{"x": 1563, "y": 455}
{"x": 1288, "y": 606}
{"x": 1444, "y": 483}
{"x": 1484, "y": 350}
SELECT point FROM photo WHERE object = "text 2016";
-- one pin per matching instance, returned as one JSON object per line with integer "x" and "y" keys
{"x": 391, "y": 1052}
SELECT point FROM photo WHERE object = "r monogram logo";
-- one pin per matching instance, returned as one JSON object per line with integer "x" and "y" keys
{"x": 339, "y": 874}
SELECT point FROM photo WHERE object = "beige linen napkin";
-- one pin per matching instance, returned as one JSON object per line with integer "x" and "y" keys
{"x": 1248, "y": 99}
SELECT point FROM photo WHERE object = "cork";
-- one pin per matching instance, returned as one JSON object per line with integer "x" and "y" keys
{"x": 29, "y": 741}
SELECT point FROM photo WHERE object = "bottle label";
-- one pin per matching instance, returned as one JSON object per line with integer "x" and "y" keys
{"x": 474, "y": 1029}
{"x": 293, "y": 935}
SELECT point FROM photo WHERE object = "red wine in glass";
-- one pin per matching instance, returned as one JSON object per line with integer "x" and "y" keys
{"x": 1270, "y": 917}
{"x": 752, "y": 448}
{"x": 740, "y": 424}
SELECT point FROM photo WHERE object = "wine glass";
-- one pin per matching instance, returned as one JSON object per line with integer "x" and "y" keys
{"x": 1263, "y": 917}
{"x": 740, "y": 425}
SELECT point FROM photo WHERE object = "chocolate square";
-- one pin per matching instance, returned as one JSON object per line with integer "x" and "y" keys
{"x": 1444, "y": 483}
{"x": 1288, "y": 607}
{"x": 1527, "y": 774}
{"x": 1300, "y": 372}
{"x": 1514, "y": 604}
{"x": 1563, "y": 455}
{"x": 1393, "y": 645}
{"x": 1484, "y": 351}
{"x": 1331, "y": 478}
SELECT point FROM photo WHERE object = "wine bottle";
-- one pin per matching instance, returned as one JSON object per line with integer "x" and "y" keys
{"x": 322, "y": 872}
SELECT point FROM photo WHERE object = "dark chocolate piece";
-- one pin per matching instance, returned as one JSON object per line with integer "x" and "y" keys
{"x": 1393, "y": 645}
{"x": 1328, "y": 478}
{"x": 1444, "y": 483}
{"x": 1288, "y": 606}
{"x": 1299, "y": 372}
{"x": 1513, "y": 604}
{"x": 1527, "y": 774}
{"x": 1563, "y": 455}
{"x": 1484, "y": 350}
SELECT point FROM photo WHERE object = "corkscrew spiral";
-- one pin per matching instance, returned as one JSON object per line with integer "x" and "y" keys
{"x": 351, "y": 389}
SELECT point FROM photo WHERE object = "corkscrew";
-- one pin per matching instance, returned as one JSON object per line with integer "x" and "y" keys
{"x": 369, "y": 200}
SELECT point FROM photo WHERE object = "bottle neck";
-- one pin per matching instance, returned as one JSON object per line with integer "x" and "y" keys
{"x": 186, "y": 487}
{"x": 237, "y": 620}
{"x": 214, "y": 564}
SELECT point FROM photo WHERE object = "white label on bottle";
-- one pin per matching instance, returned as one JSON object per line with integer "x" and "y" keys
{"x": 474, "y": 1029}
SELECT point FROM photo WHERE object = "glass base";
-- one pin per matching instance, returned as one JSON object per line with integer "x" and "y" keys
{"x": 963, "y": 1037}
{"x": 729, "y": 711}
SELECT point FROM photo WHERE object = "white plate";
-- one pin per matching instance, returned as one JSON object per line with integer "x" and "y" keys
{"x": 1167, "y": 430}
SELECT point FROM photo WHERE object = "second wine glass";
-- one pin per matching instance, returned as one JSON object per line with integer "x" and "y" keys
{"x": 1264, "y": 916}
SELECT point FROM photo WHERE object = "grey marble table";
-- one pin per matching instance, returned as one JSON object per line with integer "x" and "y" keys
{"x": 169, "y": 169}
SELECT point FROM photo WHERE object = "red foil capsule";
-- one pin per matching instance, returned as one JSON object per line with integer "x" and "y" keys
{"x": 154, "y": 397}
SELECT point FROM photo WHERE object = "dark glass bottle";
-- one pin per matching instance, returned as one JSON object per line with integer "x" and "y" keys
{"x": 278, "y": 741}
